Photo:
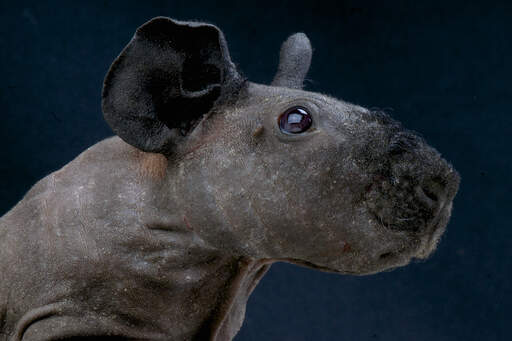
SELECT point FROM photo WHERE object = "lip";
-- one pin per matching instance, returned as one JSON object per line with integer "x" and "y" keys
{"x": 430, "y": 240}
{"x": 422, "y": 221}
{"x": 393, "y": 226}
{"x": 378, "y": 218}
{"x": 395, "y": 260}
{"x": 307, "y": 264}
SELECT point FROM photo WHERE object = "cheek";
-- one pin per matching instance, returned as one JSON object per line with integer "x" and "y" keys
{"x": 307, "y": 216}
{"x": 328, "y": 208}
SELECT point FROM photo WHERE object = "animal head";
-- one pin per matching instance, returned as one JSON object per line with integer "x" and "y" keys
{"x": 275, "y": 172}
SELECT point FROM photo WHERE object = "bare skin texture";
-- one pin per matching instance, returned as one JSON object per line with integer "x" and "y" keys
{"x": 163, "y": 231}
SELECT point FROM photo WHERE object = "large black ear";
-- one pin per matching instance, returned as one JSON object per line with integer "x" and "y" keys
{"x": 168, "y": 76}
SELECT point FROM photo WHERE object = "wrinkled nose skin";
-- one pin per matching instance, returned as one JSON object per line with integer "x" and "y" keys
{"x": 412, "y": 186}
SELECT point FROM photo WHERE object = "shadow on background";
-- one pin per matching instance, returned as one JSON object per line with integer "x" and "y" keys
{"x": 443, "y": 69}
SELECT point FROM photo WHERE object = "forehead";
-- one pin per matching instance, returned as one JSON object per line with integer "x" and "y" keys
{"x": 270, "y": 99}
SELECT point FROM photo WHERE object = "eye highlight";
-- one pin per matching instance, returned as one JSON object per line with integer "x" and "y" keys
{"x": 295, "y": 120}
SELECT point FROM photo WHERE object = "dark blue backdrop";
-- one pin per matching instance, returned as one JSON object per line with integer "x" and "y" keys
{"x": 442, "y": 66}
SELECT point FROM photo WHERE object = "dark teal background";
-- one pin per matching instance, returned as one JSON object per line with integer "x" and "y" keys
{"x": 441, "y": 67}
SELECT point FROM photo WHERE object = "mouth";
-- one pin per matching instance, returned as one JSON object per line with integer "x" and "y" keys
{"x": 426, "y": 243}
{"x": 396, "y": 223}
{"x": 386, "y": 262}
{"x": 409, "y": 205}
{"x": 307, "y": 264}
{"x": 417, "y": 234}
{"x": 430, "y": 240}
{"x": 426, "y": 239}
{"x": 399, "y": 205}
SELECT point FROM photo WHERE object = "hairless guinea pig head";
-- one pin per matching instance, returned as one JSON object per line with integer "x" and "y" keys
{"x": 275, "y": 172}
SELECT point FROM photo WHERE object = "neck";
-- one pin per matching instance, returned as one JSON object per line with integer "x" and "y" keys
{"x": 206, "y": 287}
{"x": 228, "y": 316}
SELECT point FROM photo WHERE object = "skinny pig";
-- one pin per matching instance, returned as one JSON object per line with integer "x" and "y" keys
{"x": 163, "y": 231}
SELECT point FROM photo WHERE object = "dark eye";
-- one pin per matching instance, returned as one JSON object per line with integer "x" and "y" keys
{"x": 295, "y": 120}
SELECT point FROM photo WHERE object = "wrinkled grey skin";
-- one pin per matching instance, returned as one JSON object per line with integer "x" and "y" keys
{"x": 163, "y": 232}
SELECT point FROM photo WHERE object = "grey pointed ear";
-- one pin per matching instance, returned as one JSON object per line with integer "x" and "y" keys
{"x": 166, "y": 79}
{"x": 294, "y": 62}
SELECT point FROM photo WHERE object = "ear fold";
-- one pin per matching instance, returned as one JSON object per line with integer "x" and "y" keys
{"x": 167, "y": 78}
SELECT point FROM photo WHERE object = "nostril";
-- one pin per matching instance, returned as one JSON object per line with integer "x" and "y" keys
{"x": 386, "y": 255}
{"x": 430, "y": 192}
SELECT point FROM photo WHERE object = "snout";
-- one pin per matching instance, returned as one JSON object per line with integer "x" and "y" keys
{"x": 414, "y": 190}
